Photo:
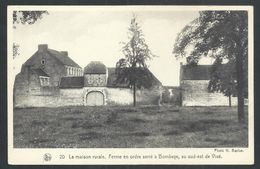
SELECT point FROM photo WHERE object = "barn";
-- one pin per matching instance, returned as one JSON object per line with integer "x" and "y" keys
{"x": 50, "y": 78}
{"x": 194, "y": 82}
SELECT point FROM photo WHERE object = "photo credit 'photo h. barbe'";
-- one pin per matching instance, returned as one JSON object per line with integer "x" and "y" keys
{"x": 130, "y": 85}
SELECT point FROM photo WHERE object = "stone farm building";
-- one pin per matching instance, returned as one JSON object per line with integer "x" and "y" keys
{"x": 194, "y": 82}
{"x": 51, "y": 78}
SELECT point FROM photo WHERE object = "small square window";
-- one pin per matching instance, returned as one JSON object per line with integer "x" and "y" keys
{"x": 44, "y": 81}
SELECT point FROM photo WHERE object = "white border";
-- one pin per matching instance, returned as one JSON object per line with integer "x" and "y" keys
{"x": 35, "y": 156}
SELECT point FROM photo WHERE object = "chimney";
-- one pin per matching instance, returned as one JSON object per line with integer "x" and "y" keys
{"x": 64, "y": 53}
{"x": 42, "y": 47}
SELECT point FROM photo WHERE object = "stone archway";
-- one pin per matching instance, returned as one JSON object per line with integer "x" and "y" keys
{"x": 94, "y": 98}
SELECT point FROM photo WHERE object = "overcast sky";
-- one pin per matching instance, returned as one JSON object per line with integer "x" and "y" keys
{"x": 95, "y": 35}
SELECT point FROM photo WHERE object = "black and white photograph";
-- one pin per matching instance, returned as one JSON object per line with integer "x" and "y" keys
{"x": 119, "y": 82}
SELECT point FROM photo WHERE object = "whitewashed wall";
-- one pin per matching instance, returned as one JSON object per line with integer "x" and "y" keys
{"x": 195, "y": 93}
{"x": 123, "y": 96}
{"x": 77, "y": 97}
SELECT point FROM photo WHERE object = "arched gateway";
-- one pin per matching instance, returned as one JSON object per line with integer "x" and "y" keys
{"x": 95, "y": 98}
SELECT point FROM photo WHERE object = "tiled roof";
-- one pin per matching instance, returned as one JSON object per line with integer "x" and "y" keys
{"x": 72, "y": 82}
{"x": 63, "y": 58}
{"x": 95, "y": 67}
{"x": 112, "y": 78}
{"x": 39, "y": 72}
{"x": 197, "y": 72}
{"x": 155, "y": 80}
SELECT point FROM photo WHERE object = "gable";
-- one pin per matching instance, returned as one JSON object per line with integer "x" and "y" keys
{"x": 35, "y": 60}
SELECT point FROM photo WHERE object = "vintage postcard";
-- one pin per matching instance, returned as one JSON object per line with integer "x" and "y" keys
{"x": 130, "y": 85}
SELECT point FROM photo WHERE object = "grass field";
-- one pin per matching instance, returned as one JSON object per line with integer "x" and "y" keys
{"x": 128, "y": 127}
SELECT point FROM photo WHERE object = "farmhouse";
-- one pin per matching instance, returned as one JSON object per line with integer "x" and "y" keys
{"x": 50, "y": 78}
{"x": 194, "y": 82}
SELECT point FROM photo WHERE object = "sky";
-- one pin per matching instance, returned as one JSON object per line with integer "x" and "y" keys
{"x": 97, "y": 35}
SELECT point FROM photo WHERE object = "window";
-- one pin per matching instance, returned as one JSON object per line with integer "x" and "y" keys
{"x": 44, "y": 81}
{"x": 43, "y": 61}
{"x": 68, "y": 72}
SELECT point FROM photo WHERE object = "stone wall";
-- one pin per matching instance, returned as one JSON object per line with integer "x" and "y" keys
{"x": 21, "y": 84}
{"x": 27, "y": 83}
{"x": 148, "y": 96}
{"x": 37, "y": 101}
{"x": 65, "y": 97}
{"x": 122, "y": 96}
{"x": 195, "y": 93}
{"x": 77, "y": 97}
{"x": 71, "y": 97}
